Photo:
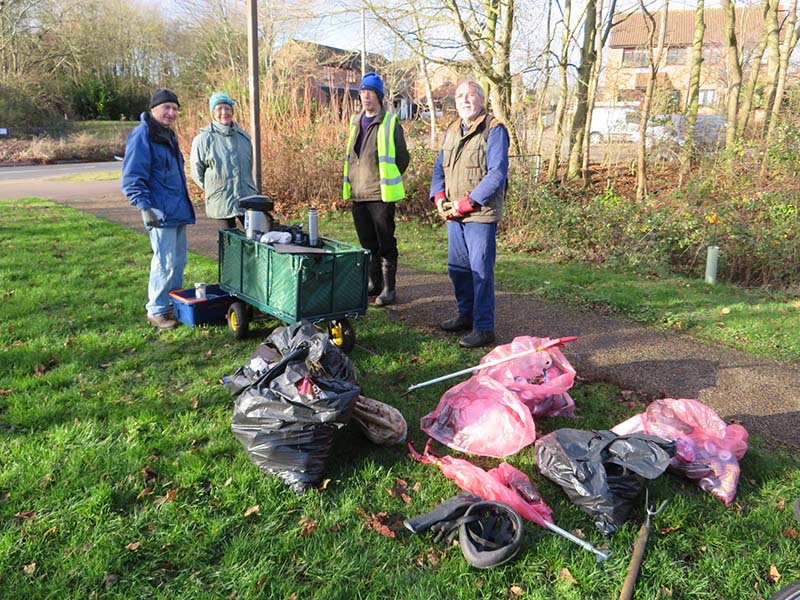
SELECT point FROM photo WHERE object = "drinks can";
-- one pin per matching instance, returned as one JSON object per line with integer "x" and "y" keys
{"x": 199, "y": 291}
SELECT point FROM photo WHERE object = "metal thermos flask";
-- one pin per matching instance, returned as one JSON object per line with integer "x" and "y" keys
{"x": 313, "y": 227}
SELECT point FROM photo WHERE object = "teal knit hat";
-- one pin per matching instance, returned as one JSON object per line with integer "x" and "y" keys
{"x": 220, "y": 98}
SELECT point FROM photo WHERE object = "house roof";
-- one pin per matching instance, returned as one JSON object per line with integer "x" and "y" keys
{"x": 340, "y": 58}
{"x": 632, "y": 31}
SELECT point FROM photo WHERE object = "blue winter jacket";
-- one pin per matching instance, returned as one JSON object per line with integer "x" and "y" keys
{"x": 153, "y": 175}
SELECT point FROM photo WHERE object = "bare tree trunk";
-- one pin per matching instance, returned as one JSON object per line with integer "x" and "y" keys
{"x": 734, "y": 68}
{"x": 588, "y": 59}
{"x": 773, "y": 59}
{"x": 655, "y": 61}
{"x": 693, "y": 95}
{"x": 746, "y": 98}
{"x": 789, "y": 43}
{"x": 563, "y": 91}
{"x": 537, "y": 146}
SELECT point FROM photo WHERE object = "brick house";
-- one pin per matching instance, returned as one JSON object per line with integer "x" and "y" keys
{"x": 627, "y": 67}
{"x": 332, "y": 76}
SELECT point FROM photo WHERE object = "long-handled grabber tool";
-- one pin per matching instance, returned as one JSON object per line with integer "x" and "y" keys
{"x": 551, "y": 344}
{"x": 638, "y": 549}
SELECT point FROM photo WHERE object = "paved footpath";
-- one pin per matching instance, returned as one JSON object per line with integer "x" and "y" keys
{"x": 761, "y": 394}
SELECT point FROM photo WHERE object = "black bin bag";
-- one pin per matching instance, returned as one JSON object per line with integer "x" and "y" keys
{"x": 296, "y": 391}
{"x": 602, "y": 472}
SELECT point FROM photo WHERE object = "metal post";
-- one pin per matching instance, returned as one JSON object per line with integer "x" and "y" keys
{"x": 255, "y": 113}
{"x": 712, "y": 255}
{"x": 363, "y": 41}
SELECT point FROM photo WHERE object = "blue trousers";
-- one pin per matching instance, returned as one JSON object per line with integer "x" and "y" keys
{"x": 471, "y": 252}
{"x": 170, "y": 250}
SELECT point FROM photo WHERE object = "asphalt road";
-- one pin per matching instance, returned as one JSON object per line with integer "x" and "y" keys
{"x": 42, "y": 172}
{"x": 761, "y": 394}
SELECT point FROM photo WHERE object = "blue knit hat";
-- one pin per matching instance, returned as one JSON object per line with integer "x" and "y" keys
{"x": 372, "y": 81}
{"x": 220, "y": 98}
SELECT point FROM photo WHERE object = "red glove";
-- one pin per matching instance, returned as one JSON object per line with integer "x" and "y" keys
{"x": 464, "y": 206}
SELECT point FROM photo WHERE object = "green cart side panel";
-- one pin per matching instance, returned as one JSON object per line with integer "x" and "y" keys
{"x": 294, "y": 286}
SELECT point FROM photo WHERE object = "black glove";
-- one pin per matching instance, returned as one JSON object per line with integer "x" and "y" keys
{"x": 440, "y": 518}
{"x": 149, "y": 217}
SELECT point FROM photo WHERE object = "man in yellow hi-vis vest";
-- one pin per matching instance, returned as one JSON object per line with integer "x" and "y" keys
{"x": 374, "y": 163}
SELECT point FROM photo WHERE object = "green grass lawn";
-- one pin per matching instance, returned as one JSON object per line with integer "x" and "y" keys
{"x": 120, "y": 478}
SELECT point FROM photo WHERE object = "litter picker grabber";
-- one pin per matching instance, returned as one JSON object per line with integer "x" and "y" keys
{"x": 551, "y": 344}
{"x": 638, "y": 549}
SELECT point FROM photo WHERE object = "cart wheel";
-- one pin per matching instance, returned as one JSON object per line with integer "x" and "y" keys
{"x": 342, "y": 334}
{"x": 238, "y": 320}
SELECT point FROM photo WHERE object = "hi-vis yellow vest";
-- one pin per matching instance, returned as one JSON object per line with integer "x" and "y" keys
{"x": 392, "y": 188}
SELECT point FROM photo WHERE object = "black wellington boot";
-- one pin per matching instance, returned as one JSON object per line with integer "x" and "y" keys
{"x": 388, "y": 294}
{"x": 375, "y": 279}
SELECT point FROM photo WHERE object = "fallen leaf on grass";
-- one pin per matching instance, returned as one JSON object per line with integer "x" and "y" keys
{"x": 145, "y": 492}
{"x": 6, "y": 392}
{"x": 324, "y": 485}
{"x": 790, "y": 533}
{"x": 110, "y": 579}
{"x": 399, "y": 490}
{"x": 780, "y": 505}
{"x": 195, "y": 402}
{"x": 134, "y": 546}
{"x": 168, "y": 497}
{"x": 567, "y": 576}
{"x": 515, "y": 591}
{"x": 307, "y": 526}
{"x": 379, "y": 522}
{"x": 50, "y": 531}
{"x": 666, "y": 530}
{"x": 28, "y": 514}
{"x": 228, "y": 481}
{"x": 149, "y": 473}
{"x": 41, "y": 369}
{"x": 253, "y": 510}
{"x": 196, "y": 443}
{"x": 417, "y": 360}
{"x": 105, "y": 365}
{"x": 429, "y": 556}
{"x": 774, "y": 574}
{"x": 578, "y": 533}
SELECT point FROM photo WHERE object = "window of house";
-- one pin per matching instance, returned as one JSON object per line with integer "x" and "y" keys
{"x": 676, "y": 55}
{"x": 351, "y": 76}
{"x": 706, "y": 97}
{"x": 711, "y": 55}
{"x": 329, "y": 72}
{"x": 634, "y": 57}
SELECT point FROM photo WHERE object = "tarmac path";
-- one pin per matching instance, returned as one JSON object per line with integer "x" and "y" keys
{"x": 759, "y": 393}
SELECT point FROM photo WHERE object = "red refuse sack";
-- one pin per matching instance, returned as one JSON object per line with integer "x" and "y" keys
{"x": 539, "y": 379}
{"x": 480, "y": 416}
{"x": 504, "y": 483}
{"x": 708, "y": 450}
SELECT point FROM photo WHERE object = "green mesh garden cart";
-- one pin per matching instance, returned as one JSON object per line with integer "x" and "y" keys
{"x": 326, "y": 284}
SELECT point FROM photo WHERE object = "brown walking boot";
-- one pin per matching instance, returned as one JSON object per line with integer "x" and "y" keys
{"x": 162, "y": 321}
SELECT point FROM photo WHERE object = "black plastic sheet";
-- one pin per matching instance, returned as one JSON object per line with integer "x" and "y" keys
{"x": 601, "y": 472}
{"x": 290, "y": 399}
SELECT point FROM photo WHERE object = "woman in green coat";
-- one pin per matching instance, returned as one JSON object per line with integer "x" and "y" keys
{"x": 222, "y": 162}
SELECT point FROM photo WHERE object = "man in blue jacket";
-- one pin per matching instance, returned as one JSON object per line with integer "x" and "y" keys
{"x": 154, "y": 181}
{"x": 468, "y": 187}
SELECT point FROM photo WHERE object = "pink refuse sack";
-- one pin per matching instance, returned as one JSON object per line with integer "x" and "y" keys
{"x": 480, "y": 416}
{"x": 708, "y": 449}
{"x": 539, "y": 379}
{"x": 504, "y": 483}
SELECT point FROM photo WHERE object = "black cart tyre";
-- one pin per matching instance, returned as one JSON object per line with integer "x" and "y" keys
{"x": 790, "y": 592}
{"x": 342, "y": 334}
{"x": 238, "y": 320}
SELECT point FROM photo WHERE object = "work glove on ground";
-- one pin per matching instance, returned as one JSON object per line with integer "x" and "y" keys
{"x": 149, "y": 217}
{"x": 463, "y": 207}
{"x": 443, "y": 205}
